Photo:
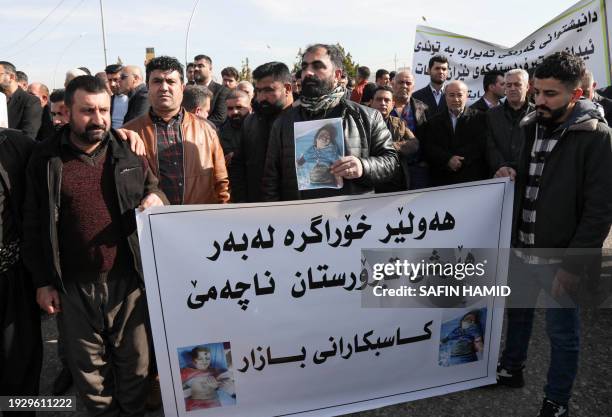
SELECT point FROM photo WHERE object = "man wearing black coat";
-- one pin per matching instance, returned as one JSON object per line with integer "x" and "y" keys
{"x": 433, "y": 93}
{"x": 24, "y": 110}
{"x": 133, "y": 85}
{"x": 203, "y": 76}
{"x": 455, "y": 145}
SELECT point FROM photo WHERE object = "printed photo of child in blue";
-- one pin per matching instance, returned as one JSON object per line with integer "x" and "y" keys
{"x": 462, "y": 339}
{"x": 315, "y": 155}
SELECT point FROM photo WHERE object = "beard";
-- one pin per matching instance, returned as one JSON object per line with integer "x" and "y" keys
{"x": 90, "y": 135}
{"x": 316, "y": 87}
{"x": 555, "y": 114}
{"x": 268, "y": 110}
{"x": 236, "y": 121}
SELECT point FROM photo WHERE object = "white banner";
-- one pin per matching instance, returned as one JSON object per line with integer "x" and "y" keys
{"x": 256, "y": 309}
{"x": 581, "y": 30}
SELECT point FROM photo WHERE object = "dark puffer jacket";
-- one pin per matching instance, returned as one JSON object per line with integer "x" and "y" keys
{"x": 365, "y": 136}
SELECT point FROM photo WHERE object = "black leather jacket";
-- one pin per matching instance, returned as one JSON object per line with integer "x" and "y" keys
{"x": 366, "y": 136}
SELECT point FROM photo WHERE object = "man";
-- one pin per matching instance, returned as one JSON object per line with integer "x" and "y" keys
{"x": 22, "y": 80}
{"x": 369, "y": 158}
{"x": 247, "y": 88}
{"x": 203, "y": 76}
{"x": 238, "y": 108}
{"x": 603, "y": 104}
{"x": 196, "y": 100}
{"x": 81, "y": 246}
{"x": 455, "y": 145}
{"x": 230, "y": 77}
{"x": 413, "y": 113}
{"x": 382, "y": 78}
{"x": 433, "y": 93}
{"x": 363, "y": 75}
{"x": 20, "y": 337}
{"x": 404, "y": 141}
{"x": 493, "y": 86}
{"x": 563, "y": 200}
{"x": 273, "y": 96}
{"x": 59, "y": 113}
{"x": 132, "y": 85}
{"x": 71, "y": 74}
{"x": 190, "y": 73}
{"x": 119, "y": 102}
{"x": 505, "y": 137}
{"x": 102, "y": 76}
{"x": 183, "y": 150}
{"x": 46, "y": 125}
{"x": 24, "y": 110}
{"x": 296, "y": 85}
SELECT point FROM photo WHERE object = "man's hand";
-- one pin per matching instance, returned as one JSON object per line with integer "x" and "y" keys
{"x": 506, "y": 172}
{"x": 136, "y": 144}
{"x": 48, "y": 299}
{"x": 151, "y": 200}
{"x": 564, "y": 283}
{"x": 348, "y": 167}
{"x": 455, "y": 162}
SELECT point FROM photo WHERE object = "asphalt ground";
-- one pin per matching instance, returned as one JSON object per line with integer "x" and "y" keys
{"x": 592, "y": 395}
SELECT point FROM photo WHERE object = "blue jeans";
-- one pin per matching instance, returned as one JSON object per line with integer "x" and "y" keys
{"x": 562, "y": 329}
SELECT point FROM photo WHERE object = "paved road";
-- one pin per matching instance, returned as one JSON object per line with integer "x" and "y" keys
{"x": 592, "y": 393}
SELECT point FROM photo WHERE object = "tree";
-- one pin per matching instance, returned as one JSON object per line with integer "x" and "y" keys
{"x": 297, "y": 65}
{"x": 245, "y": 71}
{"x": 350, "y": 66}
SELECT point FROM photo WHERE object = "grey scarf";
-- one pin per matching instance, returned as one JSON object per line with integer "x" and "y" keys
{"x": 323, "y": 103}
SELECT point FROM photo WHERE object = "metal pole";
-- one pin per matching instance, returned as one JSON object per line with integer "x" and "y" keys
{"x": 103, "y": 33}
{"x": 195, "y": 5}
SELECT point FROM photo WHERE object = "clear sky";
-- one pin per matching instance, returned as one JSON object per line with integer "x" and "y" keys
{"x": 44, "y": 38}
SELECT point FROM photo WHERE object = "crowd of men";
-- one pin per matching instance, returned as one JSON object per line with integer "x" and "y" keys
{"x": 76, "y": 162}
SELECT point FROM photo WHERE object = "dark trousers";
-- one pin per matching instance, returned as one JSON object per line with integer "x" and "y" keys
{"x": 103, "y": 325}
{"x": 20, "y": 338}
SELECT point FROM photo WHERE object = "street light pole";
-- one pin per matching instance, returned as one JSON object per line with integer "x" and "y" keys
{"x": 103, "y": 33}
{"x": 195, "y": 5}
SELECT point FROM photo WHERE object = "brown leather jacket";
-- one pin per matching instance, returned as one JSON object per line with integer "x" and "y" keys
{"x": 206, "y": 180}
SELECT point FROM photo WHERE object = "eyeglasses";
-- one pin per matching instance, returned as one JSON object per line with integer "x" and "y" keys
{"x": 124, "y": 76}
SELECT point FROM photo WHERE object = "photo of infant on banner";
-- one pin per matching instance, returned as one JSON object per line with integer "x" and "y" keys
{"x": 206, "y": 374}
{"x": 462, "y": 339}
{"x": 318, "y": 144}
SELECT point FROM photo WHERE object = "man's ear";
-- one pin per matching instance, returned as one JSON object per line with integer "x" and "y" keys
{"x": 577, "y": 94}
{"x": 288, "y": 88}
{"x": 338, "y": 74}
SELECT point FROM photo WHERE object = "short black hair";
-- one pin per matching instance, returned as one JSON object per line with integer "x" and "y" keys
{"x": 113, "y": 68}
{"x": 202, "y": 56}
{"x": 392, "y": 75}
{"x": 8, "y": 67}
{"x": 194, "y": 96}
{"x": 381, "y": 73}
{"x": 164, "y": 63}
{"x": 21, "y": 76}
{"x": 368, "y": 92}
{"x": 230, "y": 72}
{"x": 335, "y": 54}
{"x": 383, "y": 88}
{"x": 437, "y": 58}
{"x": 189, "y": 65}
{"x": 277, "y": 70}
{"x": 364, "y": 72}
{"x": 298, "y": 74}
{"x": 88, "y": 83}
{"x": 490, "y": 78}
{"x": 236, "y": 94}
{"x": 562, "y": 66}
{"x": 57, "y": 95}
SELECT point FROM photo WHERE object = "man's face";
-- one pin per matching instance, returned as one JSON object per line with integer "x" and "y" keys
{"x": 5, "y": 78}
{"x": 127, "y": 82}
{"x": 553, "y": 100}
{"x": 319, "y": 76}
{"x": 237, "y": 108}
{"x": 229, "y": 81}
{"x": 438, "y": 72}
{"x": 202, "y": 362}
{"x": 59, "y": 115}
{"x": 456, "y": 97}
{"x": 113, "y": 82}
{"x": 383, "y": 102}
{"x": 190, "y": 73}
{"x": 343, "y": 81}
{"x": 165, "y": 91}
{"x": 35, "y": 90}
{"x": 202, "y": 71}
{"x": 384, "y": 80}
{"x": 403, "y": 85}
{"x": 89, "y": 116}
{"x": 515, "y": 89}
{"x": 271, "y": 94}
{"x": 498, "y": 88}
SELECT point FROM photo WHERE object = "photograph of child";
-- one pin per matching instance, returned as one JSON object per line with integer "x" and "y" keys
{"x": 207, "y": 376}
{"x": 462, "y": 339}
{"x": 318, "y": 144}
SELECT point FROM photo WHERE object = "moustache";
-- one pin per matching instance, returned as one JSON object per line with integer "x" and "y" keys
{"x": 95, "y": 127}
{"x": 543, "y": 107}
